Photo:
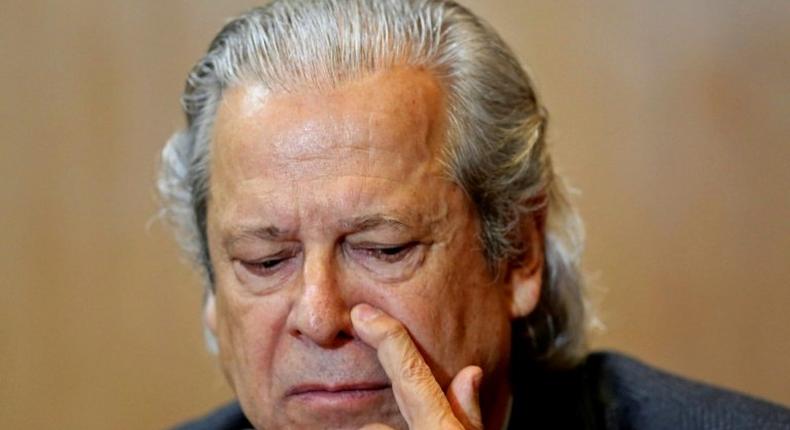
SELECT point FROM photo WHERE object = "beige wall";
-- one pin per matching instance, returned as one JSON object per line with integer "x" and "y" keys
{"x": 671, "y": 117}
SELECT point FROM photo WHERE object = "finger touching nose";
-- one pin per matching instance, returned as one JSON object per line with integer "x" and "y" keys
{"x": 420, "y": 398}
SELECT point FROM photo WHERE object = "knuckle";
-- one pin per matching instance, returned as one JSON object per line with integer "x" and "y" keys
{"x": 395, "y": 332}
{"x": 414, "y": 370}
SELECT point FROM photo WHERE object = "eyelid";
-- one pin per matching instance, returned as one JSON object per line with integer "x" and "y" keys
{"x": 377, "y": 251}
{"x": 283, "y": 253}
{"x": 383, "y": 245}
{"x": 256, "y": 266}
{"x": 402, "y": 248}
{"x": 264, "y": 250}
{"x": 387, "y": 268}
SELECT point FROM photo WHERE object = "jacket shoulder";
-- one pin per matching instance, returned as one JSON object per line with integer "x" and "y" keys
{"x": 228, "y": 417}
{"x": 636, "y": 395}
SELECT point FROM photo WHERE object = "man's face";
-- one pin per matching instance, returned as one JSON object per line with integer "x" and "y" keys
{"x": 323, "y": 200}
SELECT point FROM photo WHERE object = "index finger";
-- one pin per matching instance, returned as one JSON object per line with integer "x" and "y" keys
{"x": 420, "y": 398}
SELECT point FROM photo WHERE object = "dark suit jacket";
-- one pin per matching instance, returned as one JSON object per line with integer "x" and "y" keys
{"x": 607, "y": 391}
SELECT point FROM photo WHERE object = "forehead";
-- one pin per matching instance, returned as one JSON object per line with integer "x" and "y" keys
{"x": 394, "y": 117}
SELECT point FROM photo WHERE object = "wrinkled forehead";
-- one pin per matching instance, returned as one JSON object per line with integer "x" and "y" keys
{"x": 395, "y": 116}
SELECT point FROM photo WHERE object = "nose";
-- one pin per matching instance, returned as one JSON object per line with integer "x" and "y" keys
{"x": 320, "y": 313}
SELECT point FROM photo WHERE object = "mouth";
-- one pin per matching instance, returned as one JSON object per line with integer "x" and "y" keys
{"x": 349, "y": 396}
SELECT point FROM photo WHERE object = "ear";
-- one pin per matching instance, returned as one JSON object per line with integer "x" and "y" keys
{"x": 210, "y": 312}
{"x": 525, "y": 275}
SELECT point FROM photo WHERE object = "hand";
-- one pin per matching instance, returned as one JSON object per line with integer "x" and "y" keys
{"x": 420, "y": 398}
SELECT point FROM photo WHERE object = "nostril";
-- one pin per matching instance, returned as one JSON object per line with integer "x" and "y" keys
{"x": 341, "y": 339}
{"x": 327, "y": 326}
{"x": 320, "y": 315}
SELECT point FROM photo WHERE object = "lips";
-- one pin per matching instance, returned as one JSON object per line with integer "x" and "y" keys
{"x": 338, "y": 405}
{"x": 334, "y": 398}
{"x": 343, "y": 388}
{"x": 345, "y": 398}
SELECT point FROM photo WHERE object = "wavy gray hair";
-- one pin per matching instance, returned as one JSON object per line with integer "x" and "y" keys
{"x": 496, "y": 149}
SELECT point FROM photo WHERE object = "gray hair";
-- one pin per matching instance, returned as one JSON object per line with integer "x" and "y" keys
{"x": 496, "y": 149}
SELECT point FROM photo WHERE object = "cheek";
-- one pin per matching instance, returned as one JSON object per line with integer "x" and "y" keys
{"x": 248, "y": 332}
{"x": 456, "y": 314}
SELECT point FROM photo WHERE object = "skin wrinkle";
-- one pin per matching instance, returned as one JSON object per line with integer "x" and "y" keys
{"x": 362, "y": 224}
{"x": 293, "y": 333}
{"x": 424, "y": 223}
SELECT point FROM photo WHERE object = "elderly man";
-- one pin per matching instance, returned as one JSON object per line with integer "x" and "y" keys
{"x": 367, "y": 188}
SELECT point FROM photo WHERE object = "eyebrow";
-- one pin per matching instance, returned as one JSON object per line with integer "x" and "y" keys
{"x": 265, "y": 233}
{"x": 356, "y": 224}
{"x": 370, "y": 222}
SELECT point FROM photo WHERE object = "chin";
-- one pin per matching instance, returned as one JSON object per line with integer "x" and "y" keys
{"x": 343, "y": 423}
{"x": 335, "y": 422}
{"x": 349, "y": 410}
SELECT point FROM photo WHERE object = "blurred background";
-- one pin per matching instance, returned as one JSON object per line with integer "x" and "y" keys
{"x": 672, "y": 119}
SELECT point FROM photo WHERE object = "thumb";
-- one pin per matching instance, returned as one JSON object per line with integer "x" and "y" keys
{"x": 464, "y": 397}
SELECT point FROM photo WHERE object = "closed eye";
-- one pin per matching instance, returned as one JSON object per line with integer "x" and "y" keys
{"x": 389, "y": 253}
{"x": 267, "y": 266}
{"x": 387, "y": 262}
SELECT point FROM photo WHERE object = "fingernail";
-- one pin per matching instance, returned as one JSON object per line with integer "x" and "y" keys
{"x": 365, "y": 312}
